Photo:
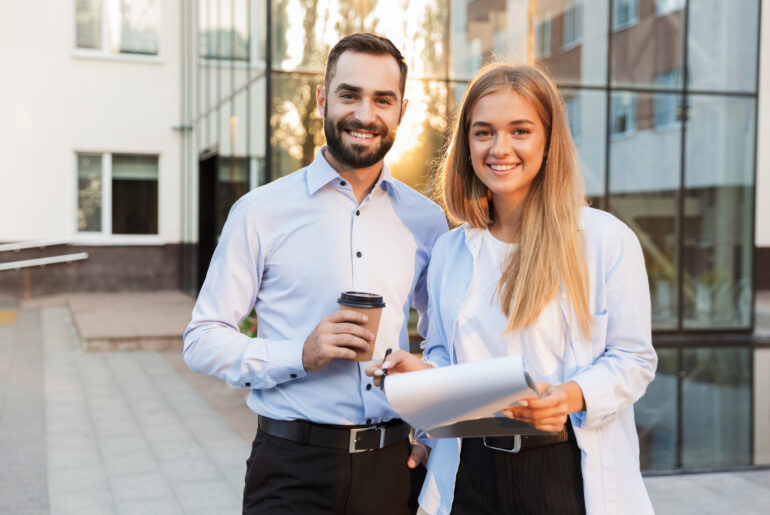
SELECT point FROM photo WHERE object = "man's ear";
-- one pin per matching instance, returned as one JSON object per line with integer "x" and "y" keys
{"x": 320, "y": 98}
{"x": 403, "y": 109}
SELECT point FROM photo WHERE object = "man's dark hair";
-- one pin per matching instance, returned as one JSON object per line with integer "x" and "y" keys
{"x": 365, "y": 43}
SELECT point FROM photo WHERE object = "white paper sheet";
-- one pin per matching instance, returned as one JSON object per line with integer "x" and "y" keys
{"x": 451, "y": 396}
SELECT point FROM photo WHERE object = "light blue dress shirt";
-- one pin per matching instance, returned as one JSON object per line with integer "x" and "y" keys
{"x": 288, "y": 249}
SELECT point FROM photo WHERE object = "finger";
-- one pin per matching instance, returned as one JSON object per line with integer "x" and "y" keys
{"x": 372, "y": 368}
{"x": 354, "y": 329}
{"x": 347, "y": 315}
{"x": 342, "y": 353}
{"x": 417, "y": 456}
{"x": 348, "y": 340}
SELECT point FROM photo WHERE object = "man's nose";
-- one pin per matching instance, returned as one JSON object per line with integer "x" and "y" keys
{"x": 365, "y": 112}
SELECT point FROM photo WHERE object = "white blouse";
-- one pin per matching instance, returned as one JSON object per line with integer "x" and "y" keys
{"x": 480, "y": 331}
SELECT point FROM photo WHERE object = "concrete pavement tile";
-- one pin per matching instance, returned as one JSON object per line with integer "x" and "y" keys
{"x": 69, "y": 423}
{"x": 231, "y": 508}
{"x": 61, "y": 458}
{"x": 72, "y": 441}
{"x": 148, "y": 507}
{"x": 78, "y": 503}
{"x": 136, "y": 463}
{"x": 169, "y": 433}
{"x": 112, "y": 427}
{"x": 181, "y": 450}
{"x": 140, "y": 486}
{"x": 194, "y": 470}
{"x": 122, "y": 444}
{"x": 206, "y": 495}
{"x": 77, "y": 479}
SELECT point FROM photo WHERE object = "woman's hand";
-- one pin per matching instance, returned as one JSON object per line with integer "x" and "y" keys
{"x": 397, "y": 363}
{"x": 549, "y": 411}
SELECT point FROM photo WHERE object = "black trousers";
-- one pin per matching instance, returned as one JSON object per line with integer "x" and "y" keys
{"x": 543, "y": 480}
{"x": 286, "y": 477}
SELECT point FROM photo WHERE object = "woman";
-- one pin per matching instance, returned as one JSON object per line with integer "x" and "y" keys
{"x": 534, "y": 271}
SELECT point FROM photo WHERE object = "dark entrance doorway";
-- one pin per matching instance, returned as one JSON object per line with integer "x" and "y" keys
{"x": 207, "y": 211}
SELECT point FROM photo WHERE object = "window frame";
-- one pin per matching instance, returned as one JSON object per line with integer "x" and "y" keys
{"x": 105, "y": 235}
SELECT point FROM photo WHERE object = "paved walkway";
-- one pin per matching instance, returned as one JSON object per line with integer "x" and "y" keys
{"x": 138, "y": 433}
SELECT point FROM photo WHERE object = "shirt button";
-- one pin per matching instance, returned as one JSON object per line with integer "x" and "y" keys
{"x": 358, "y": 254}
{"x": 358, "y": 213}
{"x": 293, "y": 376}
{"x": 247, "y": 384}
{"x": 369, "y": 387}
{"x": 368, "y": 421}
{"x": 343, "y": 183}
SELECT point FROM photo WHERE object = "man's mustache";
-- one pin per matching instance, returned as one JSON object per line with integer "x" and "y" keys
{"x": 354, "y": 125}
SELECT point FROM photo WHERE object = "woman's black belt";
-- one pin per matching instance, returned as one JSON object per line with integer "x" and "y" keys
{"x": 351, "y": 438}
{"x": 520, "y": 443}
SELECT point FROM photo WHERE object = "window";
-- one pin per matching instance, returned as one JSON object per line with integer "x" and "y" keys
{"x": 623, "y": 114}
{"x": 624, "y": 13}
{"x": 668, "y": 6}
{"x": 117, "y": 193}
{"x": 668, "y": 109}
{"x": 573, "y": 21}
{"x": 572, "y": 104}
{"x": 543, "y": 37}
{"x": 117, "y": 26}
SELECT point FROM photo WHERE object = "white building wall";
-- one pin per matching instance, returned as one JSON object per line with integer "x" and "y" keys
{"x": 57, "y": 102}
{"x": 762, "y": 228}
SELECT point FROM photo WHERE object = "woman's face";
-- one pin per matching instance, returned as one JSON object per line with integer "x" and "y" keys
{"x": 507, "y": 143}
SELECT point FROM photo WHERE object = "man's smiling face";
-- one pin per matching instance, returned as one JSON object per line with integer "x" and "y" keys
{"x": 362, "y": 107}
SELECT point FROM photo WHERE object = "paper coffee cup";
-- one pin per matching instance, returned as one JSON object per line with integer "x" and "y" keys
{"x": 369, "y": 304}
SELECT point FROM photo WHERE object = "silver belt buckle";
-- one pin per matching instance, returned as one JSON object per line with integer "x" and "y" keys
{"x": 516, "y": 445}
{"x": 353, "y": 432}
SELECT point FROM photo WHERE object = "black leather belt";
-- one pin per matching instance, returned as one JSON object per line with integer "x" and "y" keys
{"x": 351, "y": 438}
{"x": 520, "y": 443}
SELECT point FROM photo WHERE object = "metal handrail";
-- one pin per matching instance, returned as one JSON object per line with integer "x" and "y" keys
{"x": 34, "y": 244}
{"x": 26, "y": 263}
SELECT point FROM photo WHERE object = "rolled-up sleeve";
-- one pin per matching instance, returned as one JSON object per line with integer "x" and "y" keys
{"x": 619, "y": 375}
{"x": 213, "y": 343}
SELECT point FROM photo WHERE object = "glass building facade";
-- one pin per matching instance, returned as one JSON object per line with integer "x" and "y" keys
{"x": 662, "y": 102}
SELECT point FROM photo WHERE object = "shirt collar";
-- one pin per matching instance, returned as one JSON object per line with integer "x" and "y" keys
{"x": 473, "y": 237}
{"x": 320, "y": 173}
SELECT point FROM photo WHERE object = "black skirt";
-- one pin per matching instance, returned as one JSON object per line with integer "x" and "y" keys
{"x": 542, "y": 480}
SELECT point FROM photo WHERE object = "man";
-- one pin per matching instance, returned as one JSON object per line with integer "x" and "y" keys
{"x": 328, "y": 442}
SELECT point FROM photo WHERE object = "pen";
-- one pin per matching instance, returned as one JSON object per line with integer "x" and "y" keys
{"x": 384, "y": 371}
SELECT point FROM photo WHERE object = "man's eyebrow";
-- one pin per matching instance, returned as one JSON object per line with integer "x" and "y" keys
{"x": 347, "y": 87}
{"x": 356, "y": 89}
{"x": 513, "y": 122}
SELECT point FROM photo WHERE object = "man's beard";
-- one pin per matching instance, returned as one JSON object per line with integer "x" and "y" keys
{"x": 357, "y": 156}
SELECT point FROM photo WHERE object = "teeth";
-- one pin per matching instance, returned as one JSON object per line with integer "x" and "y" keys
{"x": 501, "y": 168}
{"x": 364, "y": 135}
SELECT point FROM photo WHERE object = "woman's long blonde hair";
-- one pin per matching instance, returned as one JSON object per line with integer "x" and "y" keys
{"x": 551, "y": 244}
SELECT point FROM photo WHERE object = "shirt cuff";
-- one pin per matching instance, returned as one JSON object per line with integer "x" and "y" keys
{"x": 285, "y": 364}
{"x": 599, "y": 401}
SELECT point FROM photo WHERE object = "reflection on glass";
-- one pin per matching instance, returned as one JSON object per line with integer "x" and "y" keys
{"x": 89, "y": 192}
{"x": 644, "y": 181}
{"x": 656, "y": 416}
{"x": 256, "y": 121}
{"x": 417, "y": 28}
{"x": 133, "y": 26}
{"x": 296, "y": 128}
{"x": 415, "y": 152}
{"x": 232, "y": 184}
{"x": 719, "y": 199}
{"x": 305, "y": 30}
{"x": 716, "y": 407}
{"x": 586, "y": 113}
{"x": 722, "y": 45}
{"x": 649, "y": 47}
{"x": 134, "y": 194}
{"x": 88, "y": 15}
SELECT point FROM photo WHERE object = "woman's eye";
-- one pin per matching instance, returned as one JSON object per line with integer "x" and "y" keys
{"x": 482, "y": 134}
{"x": 520, "y": 132}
